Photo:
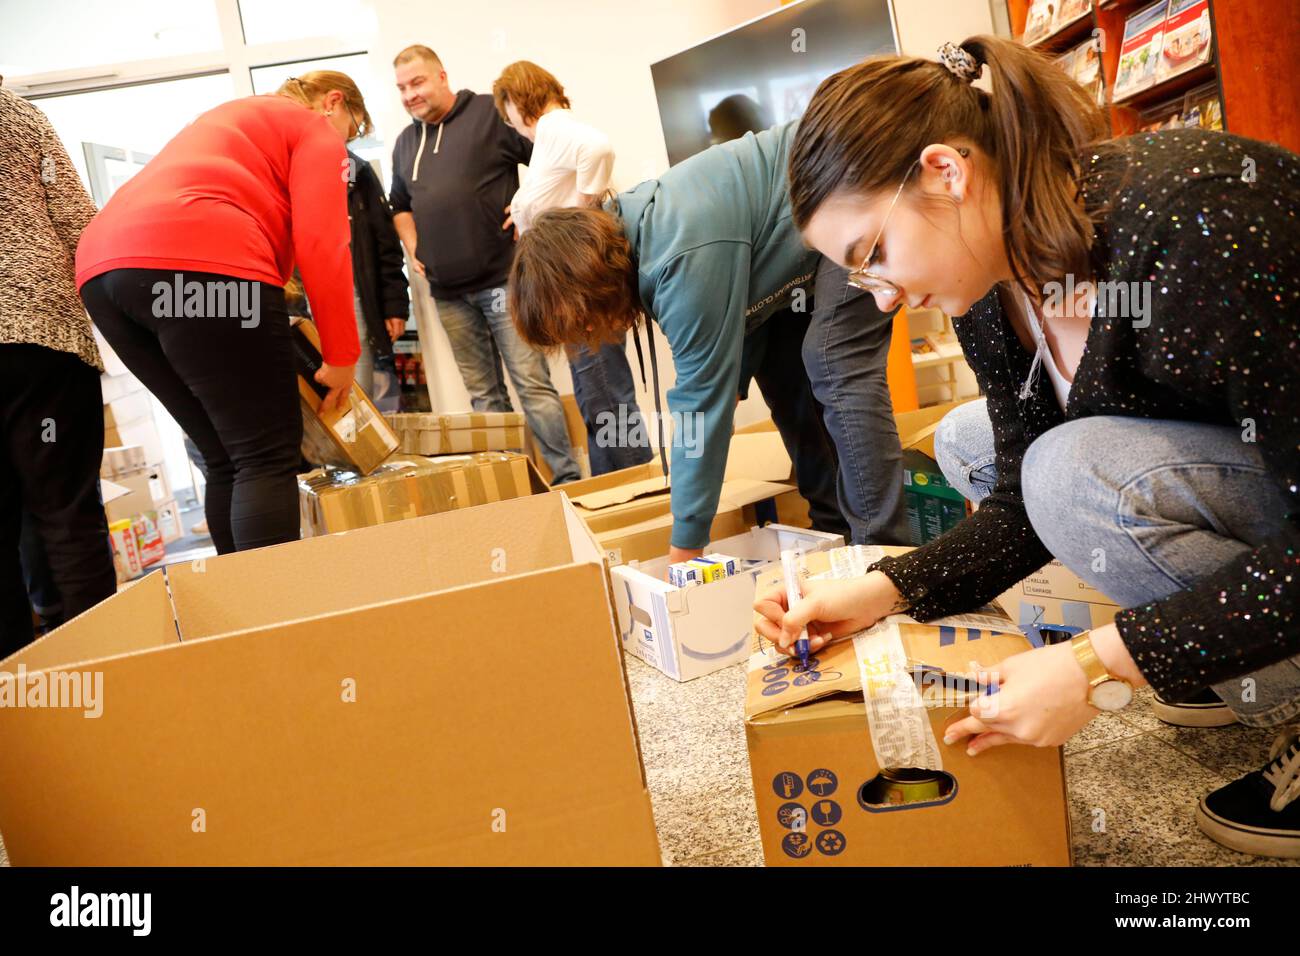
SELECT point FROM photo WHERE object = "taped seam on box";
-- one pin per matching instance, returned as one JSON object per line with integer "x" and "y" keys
{"x": 900, "y": 729}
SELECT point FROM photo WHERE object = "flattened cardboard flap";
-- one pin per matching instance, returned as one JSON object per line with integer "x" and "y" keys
{"x": 933, "y": 649}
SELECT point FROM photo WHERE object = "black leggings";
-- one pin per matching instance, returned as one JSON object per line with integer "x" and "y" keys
{"x": 227, "y": 377}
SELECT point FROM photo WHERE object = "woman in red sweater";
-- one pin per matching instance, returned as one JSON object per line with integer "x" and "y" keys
{"x": 183, "y": 271}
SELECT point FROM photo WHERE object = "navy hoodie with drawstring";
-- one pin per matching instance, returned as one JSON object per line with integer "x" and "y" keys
{"x": 457, "y": 176}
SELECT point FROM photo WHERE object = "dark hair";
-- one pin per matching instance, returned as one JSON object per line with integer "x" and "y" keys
{"x": 867, "y": 125}
{"x": 573, "y": 268}
{"x": 530, "y": 88}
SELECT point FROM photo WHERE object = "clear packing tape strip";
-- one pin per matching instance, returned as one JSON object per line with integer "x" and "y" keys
{"x": 900, "y": 729}
{"x": 428, "y": 434}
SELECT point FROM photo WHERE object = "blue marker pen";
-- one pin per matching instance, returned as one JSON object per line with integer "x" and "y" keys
{"x": 790, "y": 564}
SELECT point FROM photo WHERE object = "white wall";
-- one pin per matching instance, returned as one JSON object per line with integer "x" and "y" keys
{"x": 601, "y": 50}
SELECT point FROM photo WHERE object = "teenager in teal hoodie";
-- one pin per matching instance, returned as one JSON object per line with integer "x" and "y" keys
{"x": 709, "y": 251}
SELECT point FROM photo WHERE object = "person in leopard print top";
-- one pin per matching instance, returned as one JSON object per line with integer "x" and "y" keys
{"x": 51, "y": 423}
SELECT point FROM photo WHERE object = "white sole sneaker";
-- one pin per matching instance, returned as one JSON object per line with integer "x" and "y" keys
{"x": 1257, "y": 841}
{"x": 1193, "y": 715}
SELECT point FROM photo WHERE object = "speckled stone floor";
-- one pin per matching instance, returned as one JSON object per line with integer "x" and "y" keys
{"x": 1145, "y": 774}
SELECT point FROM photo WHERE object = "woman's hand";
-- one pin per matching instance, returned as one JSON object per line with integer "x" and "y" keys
{"x": 395, "y": 326}
{"x": 1041, "y": 700}
{"x": 830, "y": 609}
{"x": 677, "y": 555}
{"x": 338, "y": 379}
{"x": 1042, "y": 697}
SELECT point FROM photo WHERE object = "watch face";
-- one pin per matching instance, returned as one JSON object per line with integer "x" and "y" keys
{"x": 1111, "y": 695}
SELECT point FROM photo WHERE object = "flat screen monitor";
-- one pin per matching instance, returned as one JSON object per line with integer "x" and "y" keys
{"x": 765, "y": 71}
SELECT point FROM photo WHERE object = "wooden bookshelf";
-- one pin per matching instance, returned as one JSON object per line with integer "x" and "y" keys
{"x": 1254, "y": 65}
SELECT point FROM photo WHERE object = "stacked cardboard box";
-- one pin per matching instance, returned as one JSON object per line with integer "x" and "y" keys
{"x": 324, "y": 703}
{"x": 458, "y": 433}
{"x": 410, "y": 486}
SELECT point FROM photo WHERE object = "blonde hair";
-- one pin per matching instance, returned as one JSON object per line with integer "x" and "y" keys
{"x": 310, "y": 87}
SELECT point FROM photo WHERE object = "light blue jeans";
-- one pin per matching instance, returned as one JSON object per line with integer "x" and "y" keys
{"x": 376, "y": 380}
{"x": 1167, "y": 502}
{"x": 482, "y": 334}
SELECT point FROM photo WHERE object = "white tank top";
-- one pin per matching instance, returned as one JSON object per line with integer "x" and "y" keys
{"x": 1060, "y": 385}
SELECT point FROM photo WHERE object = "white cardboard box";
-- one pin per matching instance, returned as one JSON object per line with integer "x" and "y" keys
{"x": 692, "y": 631}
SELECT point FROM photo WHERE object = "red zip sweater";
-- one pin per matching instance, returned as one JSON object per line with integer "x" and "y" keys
{"x": 247, "y": 190}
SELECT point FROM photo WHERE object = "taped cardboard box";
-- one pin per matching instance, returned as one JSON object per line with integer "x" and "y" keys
{"x": 688, "y": 632}
{"x": 631, "y": 510}
{"x": 1055, "y": 599}
{"x": 818, "y": 746}
{"x": 353, "y": 436}
{"x": 410, "y": 486}
{"x": 316, "y": 703}
{"x": 457, "y": 434}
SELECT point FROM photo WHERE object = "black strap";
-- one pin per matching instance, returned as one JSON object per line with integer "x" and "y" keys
{"x": 659, "y": 413}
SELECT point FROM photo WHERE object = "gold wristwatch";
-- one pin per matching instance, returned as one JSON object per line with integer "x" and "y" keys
{"x": 1105, "y": 692}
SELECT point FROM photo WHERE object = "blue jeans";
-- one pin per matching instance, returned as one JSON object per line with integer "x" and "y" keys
{"x": 1166, "y": 502}
{"x": 845, "y": 352}
{"x": 766, "y": 357}
{"x": 605, "y": 392}
{"x": 482, "y": 334}
{"x": 377, "y": 375}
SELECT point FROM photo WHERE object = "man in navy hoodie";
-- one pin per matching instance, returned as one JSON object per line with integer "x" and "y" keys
{"x": 455, "y": 170}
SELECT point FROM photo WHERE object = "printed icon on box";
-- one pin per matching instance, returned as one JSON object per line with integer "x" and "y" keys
{"x": 813, "y": 664}
{"x": 788, "y": 814}
{"x": 647, "y": 635}
{"x": 773, "y": 676}
{"x": 787, "y": 785}
{"x": 797, "y": 845}
{"x": 830, "y": 842}
{"x": 771, "y": 690}
{"x": 779, "y": 665}
{"x": 822, "y": 782}
{"x": 826, "y": 813}
{"x": 808, "y": 677}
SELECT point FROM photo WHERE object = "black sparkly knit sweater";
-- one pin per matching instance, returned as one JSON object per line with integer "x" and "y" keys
{"x": 1211, "y": 221}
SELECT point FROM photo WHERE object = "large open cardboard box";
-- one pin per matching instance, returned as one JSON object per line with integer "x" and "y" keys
{"x": 812, "y": 751}
{"x": 444, "y": 690}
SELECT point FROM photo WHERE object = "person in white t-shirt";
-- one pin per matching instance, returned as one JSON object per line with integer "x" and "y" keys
{"x": 571, "y": 165}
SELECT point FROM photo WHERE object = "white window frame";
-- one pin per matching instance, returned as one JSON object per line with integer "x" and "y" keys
{"x": 235, "y": 57}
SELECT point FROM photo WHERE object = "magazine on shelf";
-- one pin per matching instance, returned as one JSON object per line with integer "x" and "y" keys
{"x": 1067, "y": 11}
{"x": 1065, "y": 62}
{"x": 1187, "y": 41}
{"x": 1086, "y": 64}
{"x": 1038, "y": 24}
{"x": 1143, "y": 33}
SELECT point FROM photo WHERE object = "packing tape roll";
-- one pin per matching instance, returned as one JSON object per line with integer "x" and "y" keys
{"x": 901, "y": 734}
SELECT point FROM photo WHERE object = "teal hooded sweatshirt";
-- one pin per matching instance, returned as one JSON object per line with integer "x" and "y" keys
{"x": 716, "y": 252}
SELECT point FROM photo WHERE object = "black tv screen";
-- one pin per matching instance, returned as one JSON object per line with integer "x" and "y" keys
{"x": 765, "y": 71}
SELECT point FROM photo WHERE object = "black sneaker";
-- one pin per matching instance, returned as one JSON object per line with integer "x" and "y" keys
{"x": 1203, "y": 710}
{"x": 1260, "y": 812}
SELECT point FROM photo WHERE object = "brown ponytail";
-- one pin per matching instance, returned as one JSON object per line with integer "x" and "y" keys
{"x": 867, "y": 124}
{"x": 310, "y": 87}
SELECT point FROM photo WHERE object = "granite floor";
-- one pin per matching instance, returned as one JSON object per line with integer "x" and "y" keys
{"x": 1145, "y": 774}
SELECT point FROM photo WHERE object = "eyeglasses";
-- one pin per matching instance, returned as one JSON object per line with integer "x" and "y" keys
{"x": 860, "y": 278}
